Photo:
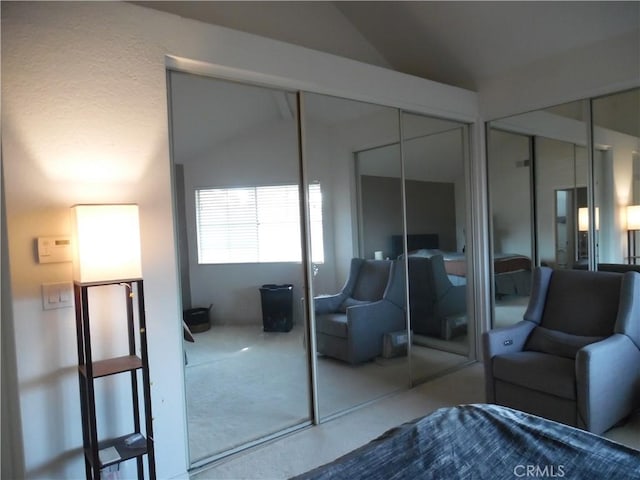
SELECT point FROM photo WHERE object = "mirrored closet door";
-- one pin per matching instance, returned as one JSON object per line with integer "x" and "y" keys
{"x": 279, "y": 218}
{"x": 616, "y": 155}
{"x": 560, "y": 182}
{"x": 358, "y": 281}
{"x": 562, "y": 190}
{"x": 237, "y": 202}
{"x": 435, "y": 190}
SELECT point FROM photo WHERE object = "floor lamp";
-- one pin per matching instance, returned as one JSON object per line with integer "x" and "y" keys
{"x": 107, "y": 255}
{"x": 633, "y": 225}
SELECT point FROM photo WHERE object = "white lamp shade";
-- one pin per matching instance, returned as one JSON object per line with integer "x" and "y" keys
{"x": 633, "y": 217}
{"x": 583, "y": 219}
{"x": 107, "y": 243}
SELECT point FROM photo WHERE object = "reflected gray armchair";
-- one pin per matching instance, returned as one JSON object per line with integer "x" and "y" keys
{"x": 350, "y": 325}
{"x": 437, "y": 307}
{"x": 575, "y": 357}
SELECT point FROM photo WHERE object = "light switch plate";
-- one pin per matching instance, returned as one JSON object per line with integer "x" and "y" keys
{"x": 57, "y": 295}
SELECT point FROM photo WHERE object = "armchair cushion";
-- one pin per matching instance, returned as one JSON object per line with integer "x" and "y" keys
{"x": 332, "y": 324}
{"x": 372, "y": 281}
{"x": 558, "y": 343}
{"x": 351, "y": 302}
{"x": 538, "y": 371}
{"x": 582, "y": 303}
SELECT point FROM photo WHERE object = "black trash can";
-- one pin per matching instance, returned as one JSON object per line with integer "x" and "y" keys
{"x": 277, "y": 307}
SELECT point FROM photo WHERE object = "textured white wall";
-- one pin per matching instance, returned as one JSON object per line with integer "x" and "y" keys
{"x": 84, "y": 114}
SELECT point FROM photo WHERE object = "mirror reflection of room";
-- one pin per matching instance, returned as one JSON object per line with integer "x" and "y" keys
{"x": 363, "y": 224}
{"x": 359, "y": 289}
{"x": 241, "y": 233}
{"x": 236, "y": 172}
{"x": 510, "y": 189}
{"x": 534, "y": 217}
{"x": 616, "y": 135}
{"x": 435, "y": 191}
{"x": 433, "y": 160}
{"x": 548, "y": 218}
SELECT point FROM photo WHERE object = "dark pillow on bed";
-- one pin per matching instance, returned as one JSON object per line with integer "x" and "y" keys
{"x": 557, "y": 343}
{"x": 351, "y": 302}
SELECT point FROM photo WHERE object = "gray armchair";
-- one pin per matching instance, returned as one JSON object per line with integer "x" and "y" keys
{"x": 437, "y": 307}
{"x": 350, "y": 325}
{"x": 575, "y": 357}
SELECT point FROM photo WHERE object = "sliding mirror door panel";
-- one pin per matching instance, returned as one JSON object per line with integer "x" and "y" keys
{"x": 358, "y": 286}
{"x": 237, "y": 192}
{"x": 561, "y": 195}
{"x": 616, "y": 154}
{"x": 433, "y": 153}
{"x": 511, "y": 198}
{"x": 538, "y": 170}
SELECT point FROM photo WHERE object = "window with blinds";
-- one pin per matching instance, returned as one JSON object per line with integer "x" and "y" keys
{"x": 256, "y": 224}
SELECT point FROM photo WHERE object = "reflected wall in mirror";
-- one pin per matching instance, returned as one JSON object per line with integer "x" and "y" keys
{"x": 236, "y": 162}
{"x": 560, "y": 190}
{"x": 434, "y": 152}
{"x": 359, "y": 289}
{"x": 616, "y": 138}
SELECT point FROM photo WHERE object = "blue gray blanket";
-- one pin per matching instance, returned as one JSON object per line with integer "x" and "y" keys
{"x": 483, "y": 442}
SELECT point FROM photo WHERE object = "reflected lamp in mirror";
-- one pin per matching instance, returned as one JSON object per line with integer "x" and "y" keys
{"x": 107, "y": 243}
{"x": 583, "y": 219}
{"x": 633, "y": 217}
{"x": 633, "y": 225}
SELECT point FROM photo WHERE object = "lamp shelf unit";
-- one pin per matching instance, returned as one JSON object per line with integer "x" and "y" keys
{"x": 135, "y": 364}
{"x": 112, "y": 366}
{"x": 126, "y": 452}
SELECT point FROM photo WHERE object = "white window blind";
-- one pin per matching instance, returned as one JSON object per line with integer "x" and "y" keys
{"x": 255, "y": 224}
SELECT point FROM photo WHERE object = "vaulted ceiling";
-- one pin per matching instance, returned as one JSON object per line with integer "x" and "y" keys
{"x": 457, "y": 43}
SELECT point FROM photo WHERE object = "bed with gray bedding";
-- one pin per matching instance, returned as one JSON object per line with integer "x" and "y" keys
{"x": 483, "y": 442}
{"x": 512, "y": 271}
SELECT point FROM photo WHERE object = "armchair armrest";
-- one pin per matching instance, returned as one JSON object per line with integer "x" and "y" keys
{"x": 498, "y": 342}
{"x": 607, "y": 381}
{"x": 506, "y": 339}
{"x": 328, "y": 303}
{"x": 368, "y": 323}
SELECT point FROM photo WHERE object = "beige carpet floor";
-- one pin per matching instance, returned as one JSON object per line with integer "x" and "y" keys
{"x": 244, "y": 384}
{"x": 509, "y": 310}
{"x": 314, "y": 446}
